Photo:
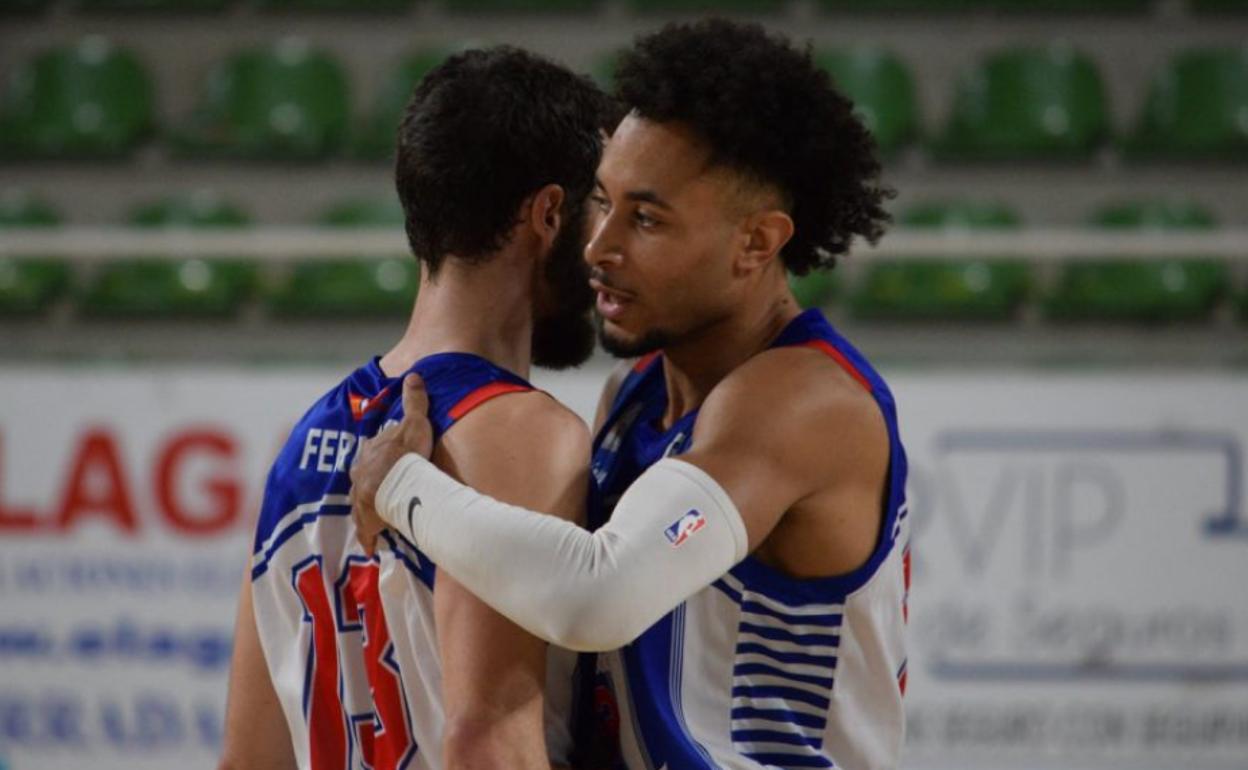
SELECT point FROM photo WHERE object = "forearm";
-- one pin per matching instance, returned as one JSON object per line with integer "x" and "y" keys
{"x": 256, "y": 735}
{"x": 493, "y": 674}
{"x": 563, "y": 584}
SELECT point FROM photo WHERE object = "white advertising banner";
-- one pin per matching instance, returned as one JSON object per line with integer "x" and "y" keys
{"x": 1080, "y": 567}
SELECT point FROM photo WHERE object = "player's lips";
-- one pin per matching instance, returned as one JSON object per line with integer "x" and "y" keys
{"x": 611, "y": 302}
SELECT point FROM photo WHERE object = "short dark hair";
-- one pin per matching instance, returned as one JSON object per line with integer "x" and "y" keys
{"x": 768, "y": 112}
{"x": 483, "y": 131}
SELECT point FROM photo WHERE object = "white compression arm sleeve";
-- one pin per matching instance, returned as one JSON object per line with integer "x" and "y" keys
{"x": 673, "y": 532}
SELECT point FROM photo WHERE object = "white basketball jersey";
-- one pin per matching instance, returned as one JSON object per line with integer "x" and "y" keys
{"x": 759, "y": 669}
{"x": 350, "y": 640}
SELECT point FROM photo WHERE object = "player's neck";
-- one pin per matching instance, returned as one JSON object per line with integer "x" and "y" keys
{"x": 486, "y": 310}
{"x": 696, "y": 363}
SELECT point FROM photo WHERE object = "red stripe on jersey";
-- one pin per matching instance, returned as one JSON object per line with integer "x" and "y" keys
{"x": 482, "y": 394}
{"x": 644, "y": 362}
{"x": 840, "y": 358}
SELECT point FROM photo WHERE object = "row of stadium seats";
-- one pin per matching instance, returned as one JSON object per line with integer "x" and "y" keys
{"x": 924, "y": 6}
{"x": 1179, "y": 289}
{"x": 290, "y": 101}
{"x": 196, "y": 288}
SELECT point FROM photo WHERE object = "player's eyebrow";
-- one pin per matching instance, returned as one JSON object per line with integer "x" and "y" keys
{"x": 638, "y": 196}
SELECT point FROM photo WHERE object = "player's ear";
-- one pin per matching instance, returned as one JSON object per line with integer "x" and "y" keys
{"x": 546, "y": 213}
{"x": 764, "y": 234}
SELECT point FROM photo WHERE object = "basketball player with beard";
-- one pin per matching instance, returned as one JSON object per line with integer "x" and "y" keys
{"x": 346, "y": 659}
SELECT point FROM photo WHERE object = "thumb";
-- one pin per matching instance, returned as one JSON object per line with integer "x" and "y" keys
{"x": 415, "y": 397}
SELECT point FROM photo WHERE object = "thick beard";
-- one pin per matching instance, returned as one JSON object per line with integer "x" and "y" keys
{"x": 655, "y": 339}
{"x": 562, "y": 342}
{"x": 564, "y": 337}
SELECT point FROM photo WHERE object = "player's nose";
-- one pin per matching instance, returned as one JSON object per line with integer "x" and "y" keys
{"x": 603, "y": 249}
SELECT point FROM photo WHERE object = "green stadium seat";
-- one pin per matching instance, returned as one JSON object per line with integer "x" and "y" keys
{"x": 363, "y": 6}
{"x": 284, "y": 102}
{"x": 1178, "y": 289}
{"x": 1197, "y": 107}
{"x": 721, "y": 6}
{"x": 28, "y": 287}
{"x": 1220, "y": 6}
{"x": 22, "y": 6}
{"x": 377, "y": 137}
{"x": 351, "y": 288}
{"x": 1072, "y": 6}
{"x": 161, "y": 6}
{"x": 365, "y": 212}
{"x": 946, "y": 289}
{"x": 20, "y": 209}
{"x": 882, "y": 90}
{"x": 1005, "y": 6}
{"x": 521, "y": 6}
{"x": 1155, "y": 215}
{"x": 348, "y": 288}
{"x": 183, "y": 289}
{"x": 603, "y": 68}
{"x": 174, "y": 288}
{"x": 91, "y": 100}
{"x": 1041, "y": 103}
{"x": 815, "y": 289}
{"x": 201, "y": 209}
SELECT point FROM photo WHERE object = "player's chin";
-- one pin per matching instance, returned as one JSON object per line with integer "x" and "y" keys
{"x": 621, "y": 340}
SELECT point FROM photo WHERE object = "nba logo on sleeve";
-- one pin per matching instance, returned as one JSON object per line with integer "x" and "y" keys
{"x": 681, "y": 529}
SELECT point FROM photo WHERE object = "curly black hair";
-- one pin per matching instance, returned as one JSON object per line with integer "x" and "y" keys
{"x": 767, "y": 111}
{"x": 483, "y": 131}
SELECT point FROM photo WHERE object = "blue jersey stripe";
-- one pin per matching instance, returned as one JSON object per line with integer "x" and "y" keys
{"x": 293, "y": 529}
{"x": 784, "y": 693}
{"x": 822, "y": 661}
{"x": 780, "y": 635}
{"x": 728, "y": 590}
{"x": 829, "y": 620}
{"x": 778, "y": 715}
{"x": 762, "y": 669}
{"x": 774, "y": 736}
{"x": 791, "y": 760}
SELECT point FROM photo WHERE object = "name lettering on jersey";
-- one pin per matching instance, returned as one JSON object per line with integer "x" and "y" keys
{"x": 326, "y": 450}
{"x": 684, "y": 527}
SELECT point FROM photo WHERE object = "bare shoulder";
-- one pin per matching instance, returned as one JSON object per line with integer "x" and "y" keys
{"x": 523, "y": 448}
{"x": 798, "y": 406}
{"x": 794, "y": 392}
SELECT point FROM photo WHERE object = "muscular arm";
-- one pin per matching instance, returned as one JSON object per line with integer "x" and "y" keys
{"x": 777, "y": 434}
{"x": 256, "y": 735}
{"x": 527, "y": 450}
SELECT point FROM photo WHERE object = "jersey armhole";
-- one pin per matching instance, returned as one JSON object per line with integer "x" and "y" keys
{"x": 483, "y": 394}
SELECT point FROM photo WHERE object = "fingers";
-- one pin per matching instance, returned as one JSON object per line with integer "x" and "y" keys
{"x": 366, "y": 536}
{"x": 415, "y": 397}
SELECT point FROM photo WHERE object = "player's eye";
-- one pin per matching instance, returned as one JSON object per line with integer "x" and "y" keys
{"x": 644, "y": 220}
{"x": 600, "y": 202}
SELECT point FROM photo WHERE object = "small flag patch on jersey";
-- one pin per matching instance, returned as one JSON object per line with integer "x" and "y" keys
{"x": 684, "y": 527}
{"x": 361, "y": 406}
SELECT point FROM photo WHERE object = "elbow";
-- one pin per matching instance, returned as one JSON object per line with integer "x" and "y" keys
{"x": 601, "y": 620}
{"x": 492, "y": 744}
